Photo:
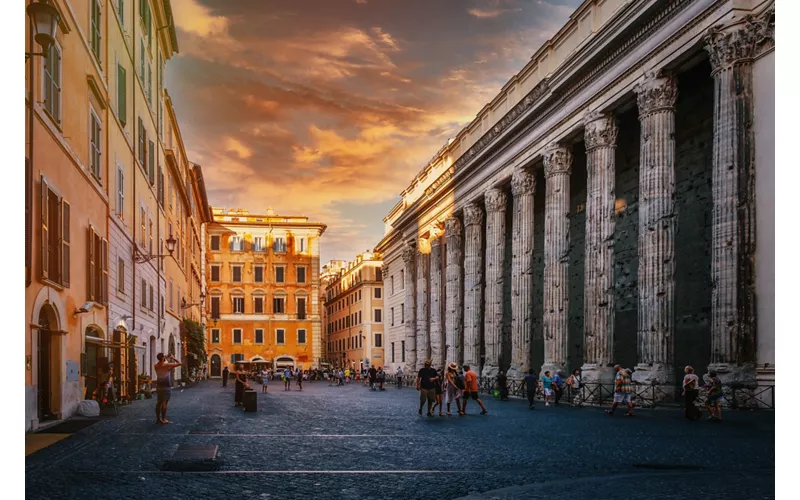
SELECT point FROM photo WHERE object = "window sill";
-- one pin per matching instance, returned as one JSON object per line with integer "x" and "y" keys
{"x": 54, "y": 284}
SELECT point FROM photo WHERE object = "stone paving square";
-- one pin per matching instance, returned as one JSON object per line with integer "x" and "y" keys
{"x": 352, "y": 443}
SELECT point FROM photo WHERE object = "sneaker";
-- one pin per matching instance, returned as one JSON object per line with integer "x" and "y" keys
{"x": 608, "y": 412}
{"x": 484, "y": 412}
{"x": 547, "y": 404}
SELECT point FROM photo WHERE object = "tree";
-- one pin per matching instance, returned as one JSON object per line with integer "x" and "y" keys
{"x": 194, "y": 341}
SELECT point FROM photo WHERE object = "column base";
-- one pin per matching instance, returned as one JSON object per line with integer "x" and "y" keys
{"x": 554, "y": 368}
{"x": 739, "y": 385}
{"x": 489, "y": 371}
{"x": 661, "y": 378}
{"x": 733, "y": 374}
{"x": 592, "y": 373}
{"x": 516, "y": 372}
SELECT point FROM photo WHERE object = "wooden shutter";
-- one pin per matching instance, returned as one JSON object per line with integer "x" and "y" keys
{"x": 122, "y": 95}
{"x": 28, "y": 218}
{"x": 65, "y": 242}
{"x": 45, "y": 231}
{"x": 104, "y": 270}
{"x": 151, "y": 164}
{"x": 90, "y": 285}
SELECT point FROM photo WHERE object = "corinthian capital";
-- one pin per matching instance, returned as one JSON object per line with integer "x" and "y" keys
{"x": 423, "y": 246}
{"x": 495, "y": 200}
{"x": 728, "y": 45}
{"x": 473, "y": 214}
{"x": 522, "y": 181}
{"x": 557, "y": 160}
{"x": 600, "y": 130}
{"x": 452, "y": 227}
{"x": 656, "y": 93}
{"x": 434, "y": 238}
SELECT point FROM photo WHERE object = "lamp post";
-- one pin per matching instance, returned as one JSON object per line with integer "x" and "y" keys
{"x": 45, "y": 20}
{"x": 185, "y": 305}
{"x": 141, "y": 258}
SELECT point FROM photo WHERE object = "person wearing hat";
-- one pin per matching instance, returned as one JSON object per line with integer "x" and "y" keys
{"x": 426, "y": 378}
{"x": 452, "y": 390}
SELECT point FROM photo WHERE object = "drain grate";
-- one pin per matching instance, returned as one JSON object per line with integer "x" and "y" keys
{"x": 193, "y": 457}
{"x": 667, "y": 467}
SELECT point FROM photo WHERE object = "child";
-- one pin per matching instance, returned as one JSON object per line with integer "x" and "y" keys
{"x": 714, "y": 398}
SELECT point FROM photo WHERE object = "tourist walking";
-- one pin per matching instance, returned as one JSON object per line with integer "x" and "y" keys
{"x": 437, "y": 386}
{"x": 690, "y": 391}
{"x": 558, "y": 386}
{"x": 502, "y": 385}
{"x": 530, "y": 382}
{"x": 453, "y": 388}
{"x": 164, "y": 385}
{"x": 225, "y": 376}
{"x": 471, "y": 390}
{"x": 399, "y": 377}
{"x": 425, "y": 385}
{"x": 547, "y": 387}
{"x": 264, "y": 380}
{"x": 287, "y": 379}
{"x": 575, "y": 382}
{"x": 372, "y": 373}
{"x": 714, "y": 397}
{"x": 381, "y": 379}
{"x": 299, "y": 375}
{"x": 622, "y": 390}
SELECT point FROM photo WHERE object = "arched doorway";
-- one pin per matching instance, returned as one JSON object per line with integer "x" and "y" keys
{"x": 171, "y": 348}
{"x": 216, "y": 365}
{"x": 47, "y": 359}
{"x": 284, "y": 362}
{"x": 96, "y": 359}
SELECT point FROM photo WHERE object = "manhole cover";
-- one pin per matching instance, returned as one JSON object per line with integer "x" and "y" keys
{"x": 193, "y": 457}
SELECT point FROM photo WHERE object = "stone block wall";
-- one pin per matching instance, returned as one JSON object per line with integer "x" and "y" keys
{"x": 577, "y": 250}
{"x": 626, "y": 250}
{"x": 693, "y": 160}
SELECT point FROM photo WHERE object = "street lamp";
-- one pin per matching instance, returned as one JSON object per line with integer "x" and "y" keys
{"x": 141, "y": 258}
{"x": 45, "y": 20}
{"x": 185, "y": 305}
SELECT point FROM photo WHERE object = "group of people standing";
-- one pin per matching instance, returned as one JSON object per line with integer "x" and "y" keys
{"x": 440, "y": 387}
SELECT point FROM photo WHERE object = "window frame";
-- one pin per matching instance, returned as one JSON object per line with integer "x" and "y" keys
{"x": 282, "y": 267}
{"x": 240, "y": 299}
{"x": 240, "y": 268}
{"x": 233, "y": 336}
{"x": 377, "y": 340}
{"x": 377, "y": 315}
{"x": 305, "y": 274}
{"x": 218, "y": 332}
{"x": 211, "y": 238}
{"x": 305, "y": 336}
{"x": 218, "y": 269}
{"x": 255, "y": 336}
{"x": 98, "y": 150}
{"x": 95, "y": 29}
{"x": 277, "y": 339}
{"x": 57, "y": 117}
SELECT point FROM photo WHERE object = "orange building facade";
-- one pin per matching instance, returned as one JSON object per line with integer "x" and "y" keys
{"x": 263, "y": 281}
{"x": 354, "y": 324}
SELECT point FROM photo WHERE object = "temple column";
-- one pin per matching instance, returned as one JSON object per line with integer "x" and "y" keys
{"x": 409, "y": 284}
{"x": 436, "y": 330}
{"x": 557, "y": 169}
{"x": 656, "y": 97}
{"x": 454, "y": 300}
{"x": 600, "y": 136}
{"x": 523, "y": 184}
{"x": 495, "y": 261}
{"x": 473, "y": 284}
{"x": 732, "y": 50}
{"x": 423, "y": 339}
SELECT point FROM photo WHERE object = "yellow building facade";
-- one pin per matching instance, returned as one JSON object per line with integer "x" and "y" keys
{"x": 354, "y": 323}
{"x": 262, "y": 303}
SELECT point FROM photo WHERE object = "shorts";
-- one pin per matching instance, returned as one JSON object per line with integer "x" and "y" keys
{"x": 714, "y": 400}
{"x": 470, "y": 394}
{"x": 622, "y": 397}
{"x": 548, "y": 392}
{"x": 163, "y": 394}
{"x": 427, "y": 394}
{"x": 438, "y": 390}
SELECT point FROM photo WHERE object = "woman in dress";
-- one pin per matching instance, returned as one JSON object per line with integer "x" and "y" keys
{"x": 690, "y": 390}
{"x": 437, "y": 384}
{"x": 241, "y": 384}
{"x": 452, "y": 392}
{"x": 264, "y": 379}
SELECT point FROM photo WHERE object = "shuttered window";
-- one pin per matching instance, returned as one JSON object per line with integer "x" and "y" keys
{"x": 215, "y": 273}
{"x": 215, "y": 243}
{"x": 237, "y": 274}
{"x": 120, "y": 207}
{"x": 97, "y": 267}
{"x": 95, "y": 28}
{"x": 301, "y": 308}
{"x": 95, "y": 144}
{"x": 122, "y": 95}
{"x": 258, "y": 274}
{"x": 65, "y": 242}
{"x": 151, "y": 164}
{"x": 52, "y": 83}
{"x": 215, "y": 307}
{"x": 259, "y": 336}
{"x": 258, "y": 305}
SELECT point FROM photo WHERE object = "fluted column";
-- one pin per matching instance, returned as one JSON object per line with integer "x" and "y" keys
{"x": 557, "y": 169}
{"x": 473, "y": 284}
{"x": 523, "y": 184}
{"x": 436, "y": 332}
{"x": 454, "y": 300}
{"x": 600, "y": 136}
{"x": 409, "y": 284}
{"x": 733, "y": 234}
{"x": 656, "y": 97}
{"x": 423, "y": 338}
{"x": 495, "y": 261}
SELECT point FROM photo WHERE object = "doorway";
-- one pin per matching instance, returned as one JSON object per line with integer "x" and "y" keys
{"x": 44, "y": 389}
{"x": 216, "y": 361}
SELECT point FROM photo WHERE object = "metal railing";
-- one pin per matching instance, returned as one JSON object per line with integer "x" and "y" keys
{"x": 735, "y": 397}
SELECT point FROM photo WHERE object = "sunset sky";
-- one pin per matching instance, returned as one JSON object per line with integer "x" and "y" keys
{"x": 328, "y": 108}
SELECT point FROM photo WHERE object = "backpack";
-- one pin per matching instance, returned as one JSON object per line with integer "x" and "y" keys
{"x": 459, "y": 383}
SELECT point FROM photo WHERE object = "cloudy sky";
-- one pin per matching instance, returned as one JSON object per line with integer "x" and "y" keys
{"x": 328, "y": 108}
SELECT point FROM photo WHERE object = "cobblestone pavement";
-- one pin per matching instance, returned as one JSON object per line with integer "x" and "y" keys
{"x": 351, "y": 443}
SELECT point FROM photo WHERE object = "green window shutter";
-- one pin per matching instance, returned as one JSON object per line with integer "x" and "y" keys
{"x": 122, "y": 95}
